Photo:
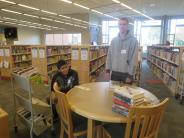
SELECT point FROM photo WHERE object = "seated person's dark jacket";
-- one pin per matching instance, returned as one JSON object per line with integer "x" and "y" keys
{"x": 65, "y": 82}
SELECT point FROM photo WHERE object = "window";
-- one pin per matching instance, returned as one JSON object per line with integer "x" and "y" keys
{"x": 109, "y": 31}
{"x": 147, "y": 32}
{"x": 176, "y": 31}
{"x": 63, "y": 39}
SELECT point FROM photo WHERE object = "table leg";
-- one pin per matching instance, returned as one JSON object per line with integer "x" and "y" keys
{"x": 90, "y": 133}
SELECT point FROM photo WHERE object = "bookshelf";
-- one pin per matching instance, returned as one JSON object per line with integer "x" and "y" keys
{"x": 13, "y": 56}
{"x": 5, "y": 61}
{"x": 166, "y": 62}
{"x": 21, "y": 56}
{"x": 89, "y": 61}
{"x": 45, "y": 58}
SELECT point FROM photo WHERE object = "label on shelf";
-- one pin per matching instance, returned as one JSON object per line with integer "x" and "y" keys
{"x": 41, "y": 53}
{"x": 1, "y": 52}
{"x": 7, "y": 52}
{"x": 75, "y": 54}
{"x": 84, "y": 54}
{"x": 34, "y": 53}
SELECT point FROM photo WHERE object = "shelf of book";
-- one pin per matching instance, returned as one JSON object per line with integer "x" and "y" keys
{"x": 13, "y": 56}
{"x": 89, "y": 61}
{"x": 45, "y": 58}
{"x": 167, "y": 63}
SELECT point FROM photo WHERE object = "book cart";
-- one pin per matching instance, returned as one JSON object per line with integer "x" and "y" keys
{"x": 30, "y": 92}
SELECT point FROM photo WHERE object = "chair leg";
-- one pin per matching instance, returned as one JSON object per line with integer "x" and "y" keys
{"x": 62, "y": 132}
{"x": 99, "y": 132}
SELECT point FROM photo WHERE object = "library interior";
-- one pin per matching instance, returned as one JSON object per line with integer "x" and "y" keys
{"x": 91, "y": 68}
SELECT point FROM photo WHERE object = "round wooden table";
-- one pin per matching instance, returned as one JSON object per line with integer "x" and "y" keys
{"x": 94, "y": 101}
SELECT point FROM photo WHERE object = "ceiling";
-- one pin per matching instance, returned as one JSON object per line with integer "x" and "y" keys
{"x": 152, "y": 8}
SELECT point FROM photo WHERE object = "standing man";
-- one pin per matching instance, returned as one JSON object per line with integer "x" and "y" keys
{"x": 122, "y": 53}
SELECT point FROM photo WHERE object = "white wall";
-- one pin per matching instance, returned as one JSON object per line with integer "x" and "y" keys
{"x": 28, "y": 36}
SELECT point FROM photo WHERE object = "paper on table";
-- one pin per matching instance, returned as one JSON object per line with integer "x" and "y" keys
{"x": 83, "y": 88}
{"x": 1, "y": 52}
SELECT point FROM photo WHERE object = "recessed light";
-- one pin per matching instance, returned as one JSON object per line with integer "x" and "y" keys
{"x": 67, "y": 1}
{"x": 11, "y": 11}
{"x": 28, "y": 7}
{"x": 8, "y": 1}
{"x": 84, "y": 7}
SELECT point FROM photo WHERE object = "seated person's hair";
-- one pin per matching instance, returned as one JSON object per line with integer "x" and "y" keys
{"x": 61, "y": 63}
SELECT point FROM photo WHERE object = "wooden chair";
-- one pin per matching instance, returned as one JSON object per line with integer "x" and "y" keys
{"x": 65, "y": 114}
{"x": 142, "y": 122}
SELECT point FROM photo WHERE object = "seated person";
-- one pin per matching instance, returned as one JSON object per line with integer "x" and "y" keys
{"x": 66, "y": 78}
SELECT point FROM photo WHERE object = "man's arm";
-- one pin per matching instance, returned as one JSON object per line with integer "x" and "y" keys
{"x": 133, "y": 57}
{"x": 108, "y": 60}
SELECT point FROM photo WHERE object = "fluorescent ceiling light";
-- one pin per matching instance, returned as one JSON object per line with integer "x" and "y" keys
{"x": 24, "y": 21}
{"x": 46, "y": 25}
{"x": 108, "y": 15}
{"x": 9, "y": 22}
{"x": 96, "y": 11}
{"x": 62, "y": 28}
{"x": 136, "y": 11}
{"x": 67, "y": 1}
{"x": 8, "y": 1}
{"x": 22, "y": 24}
{"x": 28, "y": 7}
{"x": 69, "y": 24}
{"x": 77, "y": 19}
{"x": 46, "y": 19}
{"x": 31, "y": 15}
{"x": 10, "y": 19}
{"x": 37, "y": 23}
{"x": 54, "y": 27}
{"x": 49, "y": 12}
{"x": 58, "y": 21}
{"x": 65, "y": 16}
{"x": 85, "y": 22}
{"x": 116, "y": 1}
{"x": 81, "y": 6}
{"x": 11, "y": 11}
{"x": 126, "y": 6}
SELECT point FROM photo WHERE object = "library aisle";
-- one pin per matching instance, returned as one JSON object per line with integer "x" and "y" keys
{"x": 171, "y": 126}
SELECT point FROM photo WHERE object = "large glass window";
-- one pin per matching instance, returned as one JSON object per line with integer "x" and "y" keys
{"x": 176, "y": 32}
{"x": 63, "y": 39}
{"x": 109, "y": 31}
{"x": 147, "y": 32}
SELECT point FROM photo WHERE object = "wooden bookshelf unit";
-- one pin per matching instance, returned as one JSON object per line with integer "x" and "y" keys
{"x": 45, "y": 58}
{"x": 166, "y": 62}
{"x": 88, "y": 61}
{"x": 12, "y": 56}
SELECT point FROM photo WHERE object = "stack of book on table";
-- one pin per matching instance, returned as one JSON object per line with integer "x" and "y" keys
{"x": 124, "y": 98}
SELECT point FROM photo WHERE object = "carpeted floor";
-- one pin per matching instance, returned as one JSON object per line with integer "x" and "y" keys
{"x": 172, "y": 125}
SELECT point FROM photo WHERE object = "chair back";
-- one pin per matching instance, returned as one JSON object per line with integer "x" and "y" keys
{"x": 64, "y": 110}
{"x": 144, "y": 121}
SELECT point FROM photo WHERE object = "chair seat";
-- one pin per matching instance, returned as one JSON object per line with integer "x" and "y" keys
{"x": 116, "y": 130}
